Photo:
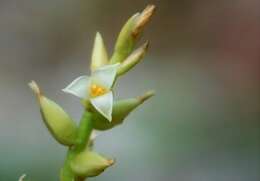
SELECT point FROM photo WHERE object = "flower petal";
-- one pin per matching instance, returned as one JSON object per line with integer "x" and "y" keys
{"x": 103, "y": 104}
{"x": 105, "y": 75}
{"x": 79, "y": 87}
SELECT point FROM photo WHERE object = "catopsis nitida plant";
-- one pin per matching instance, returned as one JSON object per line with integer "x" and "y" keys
{"x": 101, "y": 111}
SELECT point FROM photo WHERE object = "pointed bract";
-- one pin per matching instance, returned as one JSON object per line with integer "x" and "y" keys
{"x": 58, "y": 122}
{"x": 89, "y": 164}
{"x": 121, "y": 109}
{"x": 125, "y": 42}
{"x": 132, "y": 60}
{"x": 99, "y": 53}
{"x": 130, "y": 33}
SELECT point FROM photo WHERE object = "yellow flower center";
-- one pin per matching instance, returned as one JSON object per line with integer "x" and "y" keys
{"x": 96, "y": 90}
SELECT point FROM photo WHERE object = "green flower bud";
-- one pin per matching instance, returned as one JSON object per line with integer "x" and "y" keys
{"x": 125, "y": 42}
{"x": 130, "y": 33}
{"x": 120, "y": 110}
{"x": 89, "y": 164}
{"x": 58, "y": 122}
{"x": 132, "y": 59}
{"x": 99, "y": 53}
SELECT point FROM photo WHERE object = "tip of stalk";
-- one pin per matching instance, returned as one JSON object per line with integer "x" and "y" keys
{"x": 147, "y": 95}
{"x": 35, "y": 88}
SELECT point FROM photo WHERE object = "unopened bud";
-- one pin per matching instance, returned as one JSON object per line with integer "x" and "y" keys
{"x": 99, "y": 53}
{"x": 121, "y": 109}
{"x": 58, "y": 122}
{"x": 132, "y": 59}
{"x": 130, "y": 33}
{"x": 89, "y": 164}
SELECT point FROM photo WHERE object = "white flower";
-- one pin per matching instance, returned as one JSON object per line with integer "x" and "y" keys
{"x": 96, "y": 89}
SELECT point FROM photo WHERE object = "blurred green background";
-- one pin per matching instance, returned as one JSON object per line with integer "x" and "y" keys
{"x": 202, "y": 125}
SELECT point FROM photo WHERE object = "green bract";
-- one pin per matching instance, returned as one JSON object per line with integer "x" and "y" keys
{"x": 99, "y": 55}
{"x": 130, "y": 33}
{"x": 89, "y": 164}
{"x": 121, "y": 109}
{"x": 59, "y": 123}
{"x": 132, "y": 60}
{"x": 101, "y": 112}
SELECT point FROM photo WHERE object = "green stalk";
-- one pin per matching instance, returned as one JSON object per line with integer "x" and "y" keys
{"x": 84, "y": 131}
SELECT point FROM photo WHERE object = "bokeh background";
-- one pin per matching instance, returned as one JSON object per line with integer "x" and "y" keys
{"x": 204, "y": 63}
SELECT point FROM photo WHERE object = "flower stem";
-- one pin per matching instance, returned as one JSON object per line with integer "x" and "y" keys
{"x": 84, "y": 131}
